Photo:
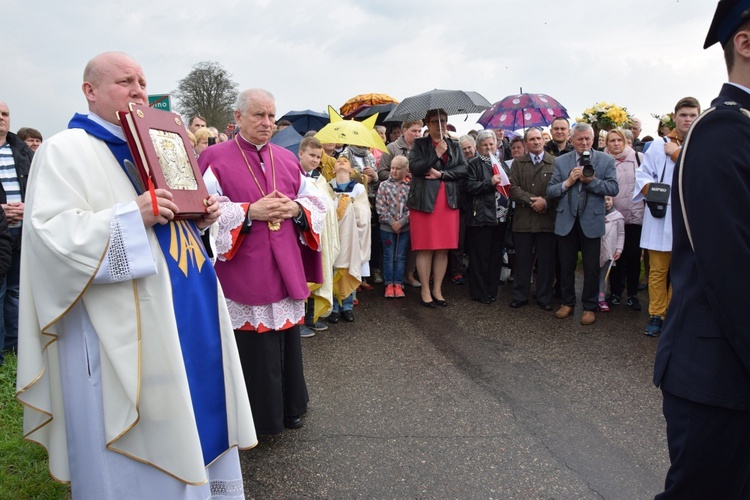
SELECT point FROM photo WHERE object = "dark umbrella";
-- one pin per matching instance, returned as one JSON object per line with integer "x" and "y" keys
{"x": 454, "y": 102}
{"x": 522, "y": 111}
{"x": 306, "y": 120}
{"x": 366, "y": 111}
{"x": 288, "y": 138}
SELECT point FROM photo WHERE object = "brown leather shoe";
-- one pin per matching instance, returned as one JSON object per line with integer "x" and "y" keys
{"x": 564, "y": 312}
{"x": 588, "y": 317}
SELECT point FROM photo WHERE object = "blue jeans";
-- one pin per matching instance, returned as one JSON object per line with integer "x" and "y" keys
{"x": 346, "y": 305}
{"x": 395, "y": 247}
{"x": 9, "y": 301}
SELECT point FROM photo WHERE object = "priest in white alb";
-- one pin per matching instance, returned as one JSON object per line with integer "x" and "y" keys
{"x": 127, "y": 366}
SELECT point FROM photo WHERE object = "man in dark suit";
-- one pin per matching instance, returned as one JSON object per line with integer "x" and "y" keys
{"x": 580, "y": 217}
{"x": 533, "y": 222}
{"x": 703, "y": 359}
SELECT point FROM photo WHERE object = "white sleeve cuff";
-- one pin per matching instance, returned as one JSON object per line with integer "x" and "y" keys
{"x": 129, "y": 253}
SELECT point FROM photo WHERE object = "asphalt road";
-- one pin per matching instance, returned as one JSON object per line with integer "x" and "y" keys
{"x": 471, "y": 401}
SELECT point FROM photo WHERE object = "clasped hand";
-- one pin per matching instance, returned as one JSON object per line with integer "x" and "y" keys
{"x": 274, "y": 207}
{"x": 538, "y": 204}
{"x": 13, "y": 211}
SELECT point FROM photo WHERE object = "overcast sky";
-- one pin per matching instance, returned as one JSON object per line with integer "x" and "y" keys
{"x": 644, "y": 55}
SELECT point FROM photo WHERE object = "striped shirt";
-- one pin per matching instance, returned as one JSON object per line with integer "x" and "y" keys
{"x": 8, "y": 175}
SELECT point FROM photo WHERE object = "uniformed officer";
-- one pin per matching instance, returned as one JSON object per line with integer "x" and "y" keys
{"x": 703, "y": 358}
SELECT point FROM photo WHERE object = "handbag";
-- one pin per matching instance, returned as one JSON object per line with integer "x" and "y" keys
{"x": 508, "y": 242}
{"x": 657, "y": 195}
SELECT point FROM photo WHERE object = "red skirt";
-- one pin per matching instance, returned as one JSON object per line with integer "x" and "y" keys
{"x": 437, "y": 230}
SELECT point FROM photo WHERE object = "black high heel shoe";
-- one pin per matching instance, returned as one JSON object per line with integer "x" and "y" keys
{"x": 441, "y": 303}
{"x": 430, "y": 304}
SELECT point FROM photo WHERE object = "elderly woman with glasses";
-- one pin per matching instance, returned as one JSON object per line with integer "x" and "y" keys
{"x": 437, "y": 166}
{"x": 488, "y": 193}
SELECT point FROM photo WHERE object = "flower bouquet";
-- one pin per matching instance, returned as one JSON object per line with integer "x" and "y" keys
{"x": 605, "y": 116}
{"x": 666, "y": 120}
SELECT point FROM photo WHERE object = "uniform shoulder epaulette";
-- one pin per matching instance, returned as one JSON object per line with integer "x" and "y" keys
{"x": 728, "y": 105}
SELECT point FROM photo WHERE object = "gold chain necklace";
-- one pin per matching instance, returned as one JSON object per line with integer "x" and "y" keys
{"x": 273, "y": 226}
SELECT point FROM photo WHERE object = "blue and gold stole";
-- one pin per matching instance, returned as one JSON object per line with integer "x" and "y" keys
{"x": 196, "y": 309}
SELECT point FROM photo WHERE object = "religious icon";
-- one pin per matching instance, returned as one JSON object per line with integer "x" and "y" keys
{"x": 174, "y": 163}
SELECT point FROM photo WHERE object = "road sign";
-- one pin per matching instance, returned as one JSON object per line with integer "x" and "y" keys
{"x": 160, "y": 101}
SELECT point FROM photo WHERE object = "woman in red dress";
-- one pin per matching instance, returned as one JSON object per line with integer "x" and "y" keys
{"x": 438, "y": 167}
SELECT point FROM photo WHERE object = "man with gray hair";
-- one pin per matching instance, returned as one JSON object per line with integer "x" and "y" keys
{"x": 635, "y": 129}
{"x": 581, "y": 180}
{"x": 268, "y": 250}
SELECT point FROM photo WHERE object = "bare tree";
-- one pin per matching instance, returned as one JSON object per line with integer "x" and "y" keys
{"x": 208, "y": 90}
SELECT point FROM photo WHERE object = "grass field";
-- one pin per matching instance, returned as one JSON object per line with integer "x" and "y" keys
{"x": 23, "y": 465}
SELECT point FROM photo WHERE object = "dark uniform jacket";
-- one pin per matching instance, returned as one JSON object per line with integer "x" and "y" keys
{"x": 704, "y": 350}
{"x": 422, "y": 157}
{"x": 527, "y": 180}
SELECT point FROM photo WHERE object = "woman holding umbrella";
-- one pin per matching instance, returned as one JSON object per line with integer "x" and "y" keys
{"x": 438, "y": 166}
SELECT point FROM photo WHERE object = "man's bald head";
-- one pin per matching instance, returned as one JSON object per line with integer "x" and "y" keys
{"x": 111, "y": 81}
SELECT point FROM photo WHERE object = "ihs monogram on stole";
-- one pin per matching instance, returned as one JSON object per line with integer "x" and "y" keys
{"x": 185, "y": 246}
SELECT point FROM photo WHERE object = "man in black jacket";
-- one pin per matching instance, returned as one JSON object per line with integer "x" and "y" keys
{"x": 559, "y": 144}
{"x": 15, "y": 161}
{"x": 703, "y": 359}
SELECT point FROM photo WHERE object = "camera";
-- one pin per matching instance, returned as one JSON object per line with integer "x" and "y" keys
{"x": 588, "y": 168}
{"x": 211, "y": 141}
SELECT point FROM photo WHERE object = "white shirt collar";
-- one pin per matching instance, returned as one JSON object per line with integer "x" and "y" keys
{"x": 111, "y": 127}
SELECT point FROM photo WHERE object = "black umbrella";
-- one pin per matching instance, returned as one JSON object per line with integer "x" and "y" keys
{"x": 454, "y": 102}
{"x": 306, "y": 120}
{"x": 366, "y": 111}
{"x": 288, "y": 138}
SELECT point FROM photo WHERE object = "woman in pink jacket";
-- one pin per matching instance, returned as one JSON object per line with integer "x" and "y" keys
{"x": 628, "y": 268}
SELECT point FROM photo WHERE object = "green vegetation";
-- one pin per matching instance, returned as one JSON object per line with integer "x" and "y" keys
{"x": 23, "y": 465}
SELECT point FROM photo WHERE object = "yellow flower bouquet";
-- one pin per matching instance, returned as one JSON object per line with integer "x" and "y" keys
{"x": 606, "y": 116}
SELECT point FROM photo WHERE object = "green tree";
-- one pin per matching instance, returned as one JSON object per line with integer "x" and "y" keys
{"x": 208, "y": 90}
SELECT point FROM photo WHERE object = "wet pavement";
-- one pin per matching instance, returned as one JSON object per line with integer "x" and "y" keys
{"x": 471, "y": 401}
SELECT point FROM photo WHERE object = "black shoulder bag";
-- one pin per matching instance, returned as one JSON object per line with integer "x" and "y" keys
{"x": 657, "y": 196}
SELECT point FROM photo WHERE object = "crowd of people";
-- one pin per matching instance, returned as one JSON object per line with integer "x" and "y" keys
{"x": 153, "y": 347}
{"x": 483, "y": 208}
{"x": 337, "y": 219}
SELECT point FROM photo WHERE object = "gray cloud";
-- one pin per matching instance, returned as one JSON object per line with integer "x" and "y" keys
{"x": 644, "y": 55}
